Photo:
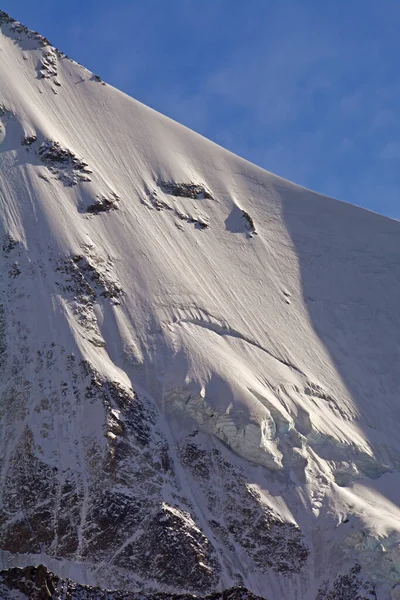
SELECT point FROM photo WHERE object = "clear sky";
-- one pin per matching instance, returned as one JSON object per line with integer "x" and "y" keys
{"x": 308, "y": 89}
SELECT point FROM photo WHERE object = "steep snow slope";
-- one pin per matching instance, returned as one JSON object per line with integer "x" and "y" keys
{"x": 199, "y": 360}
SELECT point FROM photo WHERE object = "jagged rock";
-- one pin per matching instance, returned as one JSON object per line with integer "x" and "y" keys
{"x": 9, "y": 244}
{"x": 5, "y": 18}
{"x": 63, "y": 163}
{"x": 38, "y": 583}
{"x": 28, "y": 140}
{"x": 245, "y": 521}
{"x": 154, "y": 201}
{"x": 349, "y": 586}
{"x": 87, "y": 278}
{"x": 103, "y": 204}
{"x": 250, "y": 222}
{"x": 185, "y": 190}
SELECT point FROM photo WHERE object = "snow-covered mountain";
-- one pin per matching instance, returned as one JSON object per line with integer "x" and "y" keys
{"x": 199, "y": 361}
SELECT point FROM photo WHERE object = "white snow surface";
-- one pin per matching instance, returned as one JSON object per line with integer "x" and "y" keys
{"x": 280, "y": 345}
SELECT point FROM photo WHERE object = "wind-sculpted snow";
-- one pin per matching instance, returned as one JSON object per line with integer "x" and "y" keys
{"x": 184, "y": 211}
{"x": 199, "y": 361}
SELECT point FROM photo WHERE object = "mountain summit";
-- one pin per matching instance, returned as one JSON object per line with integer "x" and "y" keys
{"x": 199, "y": 361}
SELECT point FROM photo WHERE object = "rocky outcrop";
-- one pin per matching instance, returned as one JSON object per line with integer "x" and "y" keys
{"x": 103, "y": 204}
{"x": 165, "y": 198}
{"x": 348, "y": 586}
{"x": 63, "y": 163}
{"x": 185, "y": 190}
{"x": 241, "y": 518}
{"x": 38, "y": 583}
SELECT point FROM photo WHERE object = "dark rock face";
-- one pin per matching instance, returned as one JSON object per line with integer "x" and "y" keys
{"x": 350, "y": 586}
{"x": 8, "y": 245}
{"x": 250, "y": 223}
{"x": 119, "y": 509}
{"x": 5, "y": 18}
{"x": 83, "y": 280}
{"x": 38, "y": 583}
{"x": 185, "y": 190}
{"x": 101, "y": 491}
{"x": 242, "y": 518}
{"x": 86, "y": 279}
{"x": 180, "y": 545}
{"x": 63, "y": 163}
{"x": 28, "y": 140}
{"x": 103, "y": 204}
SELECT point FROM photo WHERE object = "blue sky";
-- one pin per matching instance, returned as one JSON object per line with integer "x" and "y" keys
{"x": 307, "y": 89}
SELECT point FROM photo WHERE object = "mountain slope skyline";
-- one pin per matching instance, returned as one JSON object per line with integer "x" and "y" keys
{"x": 308, "y": 92}
{"x": 199, "y": 359}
